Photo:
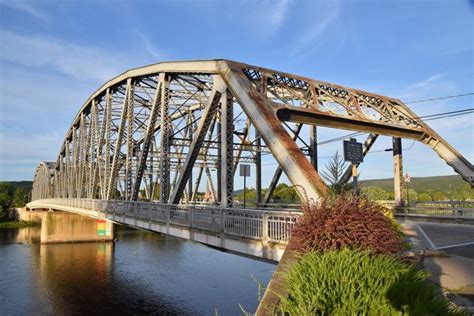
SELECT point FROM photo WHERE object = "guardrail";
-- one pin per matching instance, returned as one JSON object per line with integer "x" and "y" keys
{"x": 274, "y": 226}
{"x": 440, "y": 208}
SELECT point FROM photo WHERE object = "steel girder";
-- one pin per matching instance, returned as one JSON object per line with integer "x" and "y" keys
{"x": 152, "y": 124}
{"x": 44, "y": 181}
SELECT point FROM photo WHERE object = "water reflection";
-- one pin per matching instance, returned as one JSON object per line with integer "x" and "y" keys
{"x": 143, "y": 273}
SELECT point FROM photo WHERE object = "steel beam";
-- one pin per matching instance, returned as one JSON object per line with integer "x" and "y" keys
{"x": 112, "y": 185}
{"x": 165, "y": 140}
{"x": 227, "y": 150}
{"x": 313, "y": 145}
{"x": 398, "y": 171}
{"x": 198, "y": 139}
{"x": 306, "y": 180}
{"x": 155, "y": 109}
{"x": 129, "y": 155}
{"x": 314, "y": 117}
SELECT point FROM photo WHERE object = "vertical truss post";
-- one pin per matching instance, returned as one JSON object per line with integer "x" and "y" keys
{"x": 129, "y": 157}
{"x": 258, "y": 168}
{"x": 219, "y": 157}
{"x": 313, "y": 143}
{"x": 227, "y": 149}
{"x": 118, "y": 144}
{"x": 397, "y": 171}
{"x": 203, "y": 127}
{"x": 94, "y": 157}
{"x": 82, "y": 156}
{"x": 106, "y": 150}
{"x": 155, "y": 109}
{"x": 165, "y": 140}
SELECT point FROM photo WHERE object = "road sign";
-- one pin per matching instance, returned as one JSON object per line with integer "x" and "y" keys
{"x": 245, "y": 170}
{"x": 407, "y": 177}
{"x": 353, "y": 151}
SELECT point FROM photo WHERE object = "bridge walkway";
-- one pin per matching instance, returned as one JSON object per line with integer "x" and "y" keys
{"x": 252, "y": 232}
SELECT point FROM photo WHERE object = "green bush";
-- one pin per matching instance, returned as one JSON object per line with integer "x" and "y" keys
{"x": 349, "y": 282}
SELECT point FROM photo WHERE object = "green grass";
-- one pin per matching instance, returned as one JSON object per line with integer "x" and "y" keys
{"x": 16, "y": 224}
{"x": 357, "y": 283}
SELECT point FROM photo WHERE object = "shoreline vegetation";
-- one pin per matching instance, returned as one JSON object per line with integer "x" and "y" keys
{"x": 10, "y": 223}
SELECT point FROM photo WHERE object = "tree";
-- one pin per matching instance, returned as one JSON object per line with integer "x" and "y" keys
{"x": 439, "y": 196}
{"x": 6, "y": 196}
{"x": 424, "y": 197}
{"x": 19, "y": 197}
{"x": 284, "y": 193}
{"x": 412, "y": 194}
{"x": 333, "y": 174}
{"x": 375, "y": 193}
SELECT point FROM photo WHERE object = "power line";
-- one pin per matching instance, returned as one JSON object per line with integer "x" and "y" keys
{"x": 441, "y": 98}
{"x": 451, "y": 112}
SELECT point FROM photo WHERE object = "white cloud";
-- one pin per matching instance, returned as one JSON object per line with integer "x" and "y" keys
{"x": 269, "y": 16}
{"x": 150, "y": 48}
{"x": 325, "y": 14}
{"x": 25, "y": 7}
{"x": 79, "y": 61}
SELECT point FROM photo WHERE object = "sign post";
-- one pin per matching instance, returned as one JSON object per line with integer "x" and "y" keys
{"x": 245, "y": 172}
{"x": 353, "y": 153}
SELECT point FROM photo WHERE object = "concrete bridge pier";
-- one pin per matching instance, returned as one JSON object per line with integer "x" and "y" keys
{"x": 63, "y": 227}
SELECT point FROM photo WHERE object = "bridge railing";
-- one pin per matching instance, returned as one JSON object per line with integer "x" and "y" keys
{"x": 435, "y": 208}
{"x": 272, "y": 226}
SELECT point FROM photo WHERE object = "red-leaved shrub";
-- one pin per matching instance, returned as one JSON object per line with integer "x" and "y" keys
{"x": 347, "y": 222}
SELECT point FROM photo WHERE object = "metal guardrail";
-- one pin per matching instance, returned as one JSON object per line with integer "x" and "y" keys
{"x": 437, "y": 208}
{"x": 274, "y": 226}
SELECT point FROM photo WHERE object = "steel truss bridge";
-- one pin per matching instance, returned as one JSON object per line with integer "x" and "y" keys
{"x": 156, "y": 133}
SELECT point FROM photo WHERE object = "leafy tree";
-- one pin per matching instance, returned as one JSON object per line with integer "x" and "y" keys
{"x": 412, "y": 194}
{"x": 6, "y": 195}
{"x": 439, "y": 196}
{"x": 424, "y": 197}
{"x": 375, "y": 193}
{"x": 284, "y": 193}
{"x": 333, "y": 174}
{"x": 19, "y": 197}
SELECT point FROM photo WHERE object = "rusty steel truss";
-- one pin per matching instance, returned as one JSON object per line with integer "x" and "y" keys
{"x": 154, "y": 132}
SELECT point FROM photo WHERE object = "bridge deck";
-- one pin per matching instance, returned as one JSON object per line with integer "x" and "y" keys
{"x": 251, "y": 232}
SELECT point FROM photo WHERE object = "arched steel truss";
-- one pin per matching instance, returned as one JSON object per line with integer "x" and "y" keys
{"x": 154, "y": 132}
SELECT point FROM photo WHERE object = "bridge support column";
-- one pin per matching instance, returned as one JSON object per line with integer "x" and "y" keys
{"x": 63, "y": 227}
{"x": 398, "y": 171}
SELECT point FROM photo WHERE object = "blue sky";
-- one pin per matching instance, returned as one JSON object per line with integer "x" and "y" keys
{"x": 54, "y": 54}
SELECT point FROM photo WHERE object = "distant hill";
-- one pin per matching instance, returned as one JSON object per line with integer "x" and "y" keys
{"x": 441, "y": 183}
{"x": 28, "y": 185}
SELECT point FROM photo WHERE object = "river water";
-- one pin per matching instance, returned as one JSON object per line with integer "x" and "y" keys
{"x": 141, "y": 273}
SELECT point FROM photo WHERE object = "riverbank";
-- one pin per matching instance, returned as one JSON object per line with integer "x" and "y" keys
{"x": 9, "y": 223}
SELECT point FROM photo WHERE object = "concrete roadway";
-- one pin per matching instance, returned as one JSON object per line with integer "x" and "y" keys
{"x": 455, "y": 270}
